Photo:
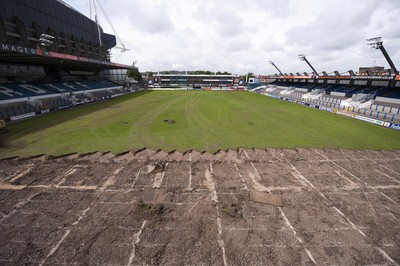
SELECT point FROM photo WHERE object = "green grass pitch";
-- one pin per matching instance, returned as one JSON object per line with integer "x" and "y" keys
{"x": 204, "y": 121}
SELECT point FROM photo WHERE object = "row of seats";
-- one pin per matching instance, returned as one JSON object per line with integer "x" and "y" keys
{"x": 17, "y": 109}
{"x": 376, "y": 111}
{"x": 394, "y": 94}
{"x": 347, "y": 89}
{"x": 7, "y": 111}
{"x": 13, "y": 90}
{"x": 390, "y": 114}
{"x": 385, "y": 108}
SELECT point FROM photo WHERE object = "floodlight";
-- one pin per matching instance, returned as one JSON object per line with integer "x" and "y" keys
{"x": 272, "y": 63}
{"x": 302, "y": 57}
{"x": 46, "y": 36}
{"x": 377, "y": 43}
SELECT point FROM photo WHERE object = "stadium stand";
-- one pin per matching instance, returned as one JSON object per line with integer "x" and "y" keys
{"x": 375, "y": 102}
{"x": 72, "y": 67}
{"x": 15, "y": 91}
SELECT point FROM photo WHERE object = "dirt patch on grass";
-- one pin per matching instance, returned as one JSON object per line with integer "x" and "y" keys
{"x": 169, "y": 121}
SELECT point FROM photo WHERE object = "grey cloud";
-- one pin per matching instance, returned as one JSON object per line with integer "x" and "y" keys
{"x": 271, "y": 44}
{"x": 226, "y": 22}
{"x": 332, "y": 30}
{"x": 148, "y": 18}
{"x": 276, "y": 8}
{"x": 239, "y": 44}
{"x": 240, "y": 36}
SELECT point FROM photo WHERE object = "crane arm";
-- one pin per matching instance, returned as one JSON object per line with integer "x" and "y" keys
{"x": 123, "y": 48}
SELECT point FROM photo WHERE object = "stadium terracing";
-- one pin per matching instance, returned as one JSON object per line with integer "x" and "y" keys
{"x": 53, "y": 57}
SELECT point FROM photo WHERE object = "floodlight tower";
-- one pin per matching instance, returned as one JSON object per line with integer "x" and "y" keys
{"x": 302, "y": 57}
{"x": 272, "y": 63}
{"x": 377, "y": 43}
{"x": 46, "y": 41}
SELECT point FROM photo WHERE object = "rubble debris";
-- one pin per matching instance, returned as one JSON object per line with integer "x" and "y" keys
{"x": 156, "y": 167}
{"x": 265, "y": 197}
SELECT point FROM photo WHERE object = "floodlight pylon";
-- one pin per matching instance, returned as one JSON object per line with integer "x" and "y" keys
{"x": 272, "y": 63}
{"x": 377, "y": 43}
{"x": 302, "y": 57}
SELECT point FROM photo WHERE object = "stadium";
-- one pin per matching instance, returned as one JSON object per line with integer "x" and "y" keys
{"x": 187, "y": 168}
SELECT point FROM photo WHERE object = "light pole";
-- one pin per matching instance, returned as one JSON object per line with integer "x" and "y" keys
{"x": 272, "y": 63}
{"x": 377, "y": 43}
{"x": 302, "y": 57}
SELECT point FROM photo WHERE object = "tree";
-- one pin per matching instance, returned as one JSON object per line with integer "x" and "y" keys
{"x": 223, "y": 73}
{"x": 248, "y": 75}
{"x": 135, "y": 74}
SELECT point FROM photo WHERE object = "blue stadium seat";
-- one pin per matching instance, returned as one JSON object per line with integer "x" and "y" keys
{"x": 7, "y": 93}
{"x": 394, "y": 94}
{"x": 13, "y": 91}
{"x": 10, "y": 91}
{"x": 57, "y": 87}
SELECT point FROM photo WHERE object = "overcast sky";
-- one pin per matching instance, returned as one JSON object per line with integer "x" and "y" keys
{"x": 243, "y": 35}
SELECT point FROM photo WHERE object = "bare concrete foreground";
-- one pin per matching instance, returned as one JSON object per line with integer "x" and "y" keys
{"x": 339, "y": 207}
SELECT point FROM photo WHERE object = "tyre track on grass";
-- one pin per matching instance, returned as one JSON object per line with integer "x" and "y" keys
{"x": 199, "y": 125}
{"x": 144, "y": 134}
